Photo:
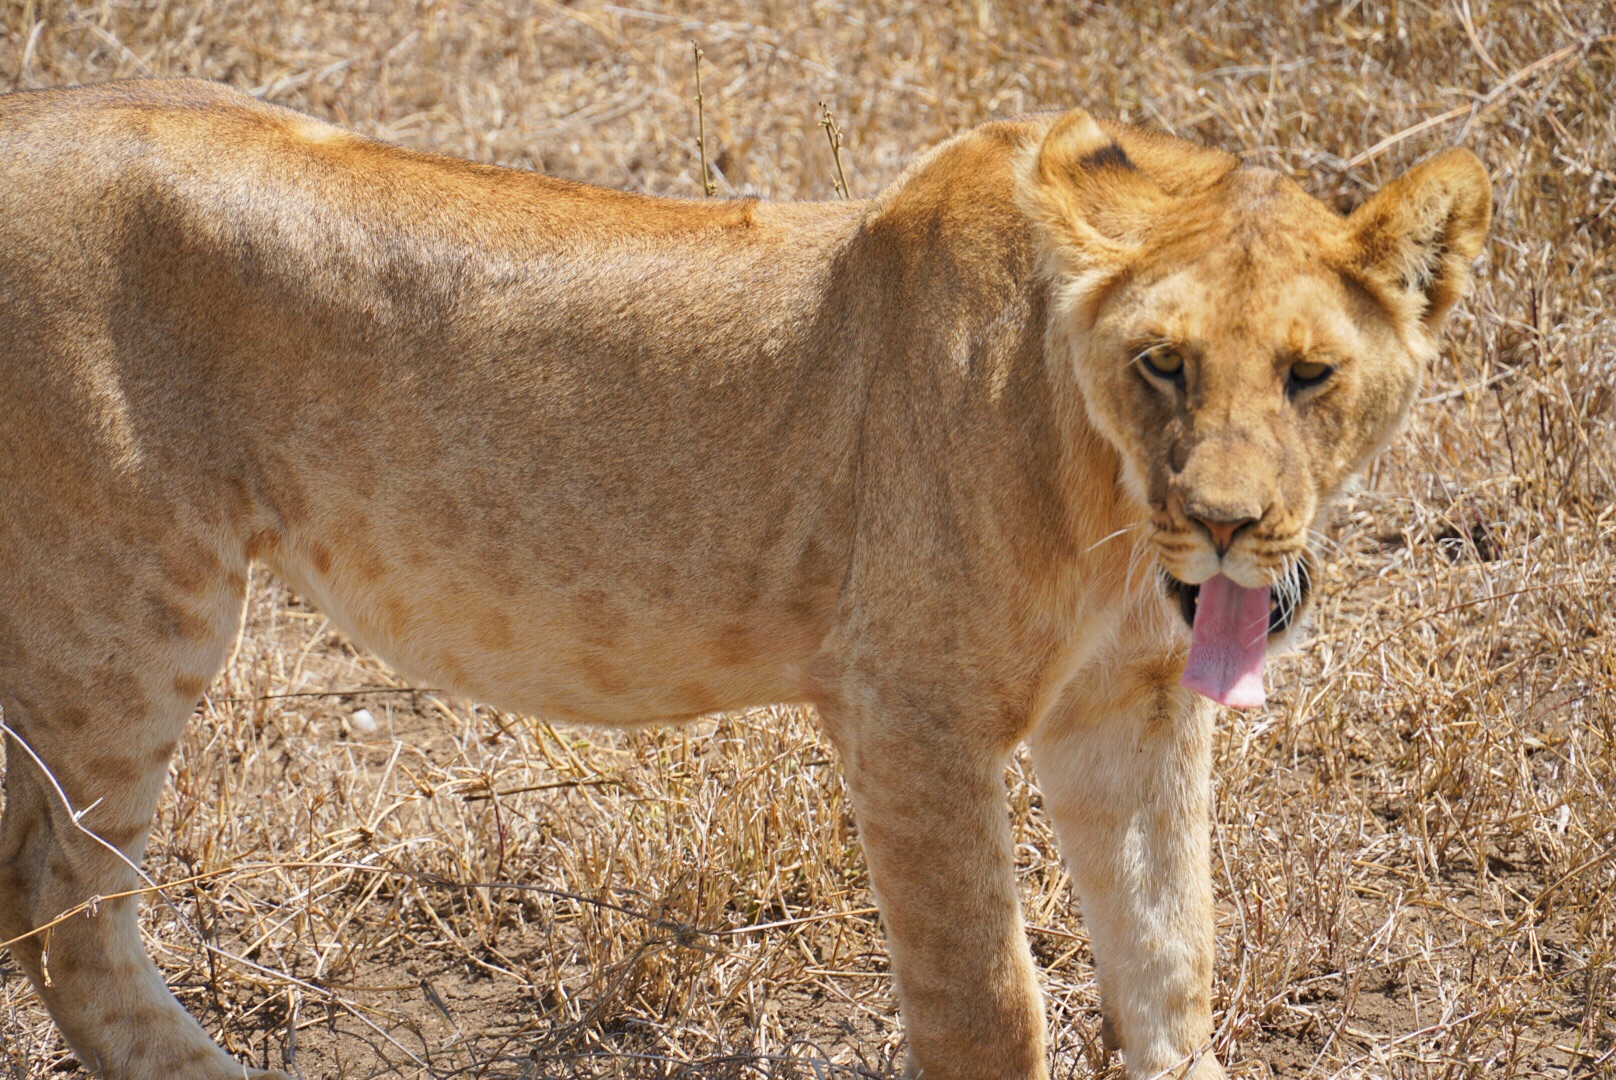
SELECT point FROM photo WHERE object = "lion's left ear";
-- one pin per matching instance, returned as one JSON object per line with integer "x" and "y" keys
{"x": 1414, "y": 241}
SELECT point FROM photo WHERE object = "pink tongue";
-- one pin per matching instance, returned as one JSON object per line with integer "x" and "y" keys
{"x": 1228, "y": 643}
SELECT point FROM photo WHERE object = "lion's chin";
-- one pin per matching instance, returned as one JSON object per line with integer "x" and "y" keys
{"x": 1289, "y": 597}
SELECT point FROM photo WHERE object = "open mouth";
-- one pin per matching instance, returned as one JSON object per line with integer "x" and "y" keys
{"x": 1286, "y": 598}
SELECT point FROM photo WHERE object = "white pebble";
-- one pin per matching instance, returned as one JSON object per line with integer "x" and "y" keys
{"x": 362, "y": 722}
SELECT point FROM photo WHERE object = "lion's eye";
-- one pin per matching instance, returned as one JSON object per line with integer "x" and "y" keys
{"x": 1307, "y": 373}
{"x": 1163, "y": 361}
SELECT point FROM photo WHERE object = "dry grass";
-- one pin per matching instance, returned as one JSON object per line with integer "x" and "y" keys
{"x": 1414, "y": 842}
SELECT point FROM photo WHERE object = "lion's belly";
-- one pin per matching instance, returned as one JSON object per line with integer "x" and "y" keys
{"x": 609, "y": 643}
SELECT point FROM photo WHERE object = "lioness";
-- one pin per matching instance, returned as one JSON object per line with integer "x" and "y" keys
{"x": 963, "y": 465}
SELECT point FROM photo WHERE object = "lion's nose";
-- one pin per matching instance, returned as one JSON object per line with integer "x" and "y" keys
{"x": 1221, "y": 524}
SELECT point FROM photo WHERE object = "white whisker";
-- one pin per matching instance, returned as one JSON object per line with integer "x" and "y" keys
{"x": 1113, "y": 536}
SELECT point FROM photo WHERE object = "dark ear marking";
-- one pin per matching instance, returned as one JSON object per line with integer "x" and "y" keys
{"x": 1109, "y": 156}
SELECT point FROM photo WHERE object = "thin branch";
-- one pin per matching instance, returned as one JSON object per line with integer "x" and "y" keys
{"x": 707, "y": 184}
{"x": 335, "y": 693}
{"x": 833, "y": 133}
{"x": 76, "y": 816}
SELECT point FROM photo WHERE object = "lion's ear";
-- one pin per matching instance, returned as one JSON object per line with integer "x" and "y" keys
{"x": 1091, "y": 203}
{"x": 1416, "y": 238}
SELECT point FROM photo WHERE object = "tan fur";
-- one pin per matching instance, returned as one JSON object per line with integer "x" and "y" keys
{"x": 616, "y": 459}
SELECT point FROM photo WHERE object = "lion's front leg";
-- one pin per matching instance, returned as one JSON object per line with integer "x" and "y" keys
{"x": 931, "y": 812}
{"x": 1125, "y": 765}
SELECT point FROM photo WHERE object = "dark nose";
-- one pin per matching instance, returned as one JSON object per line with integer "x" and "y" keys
{"x": 1222, "y": 525}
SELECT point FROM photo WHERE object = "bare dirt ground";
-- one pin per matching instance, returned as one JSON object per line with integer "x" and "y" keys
{"x": 1415, "y": 846}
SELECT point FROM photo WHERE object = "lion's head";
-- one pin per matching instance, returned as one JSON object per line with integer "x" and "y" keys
{"x": 1246, "y": 350}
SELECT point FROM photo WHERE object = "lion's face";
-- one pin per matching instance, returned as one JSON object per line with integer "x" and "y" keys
{"x": 1243, "y": 386}
{"x": 1245, "y": 348}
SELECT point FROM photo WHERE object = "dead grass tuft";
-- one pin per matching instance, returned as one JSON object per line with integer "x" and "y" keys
{"x": 1415, "y": 841}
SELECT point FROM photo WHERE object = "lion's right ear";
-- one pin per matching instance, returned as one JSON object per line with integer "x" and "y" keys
{"x": 1090, "y": 203}
{"x": 1416, "y": 238}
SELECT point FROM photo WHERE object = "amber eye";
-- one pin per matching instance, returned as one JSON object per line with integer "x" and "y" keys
{"x": 1163, "y": 361}
{"x": 1308, "y": 373}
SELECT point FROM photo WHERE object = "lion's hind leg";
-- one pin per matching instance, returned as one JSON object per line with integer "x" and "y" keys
{"x": 102, "y": 657}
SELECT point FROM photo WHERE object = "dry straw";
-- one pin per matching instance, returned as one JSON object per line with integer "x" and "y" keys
{"x": 1414, "y": 841}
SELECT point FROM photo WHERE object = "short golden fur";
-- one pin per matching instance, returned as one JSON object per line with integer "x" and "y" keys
{"x": 617, "y": 459}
